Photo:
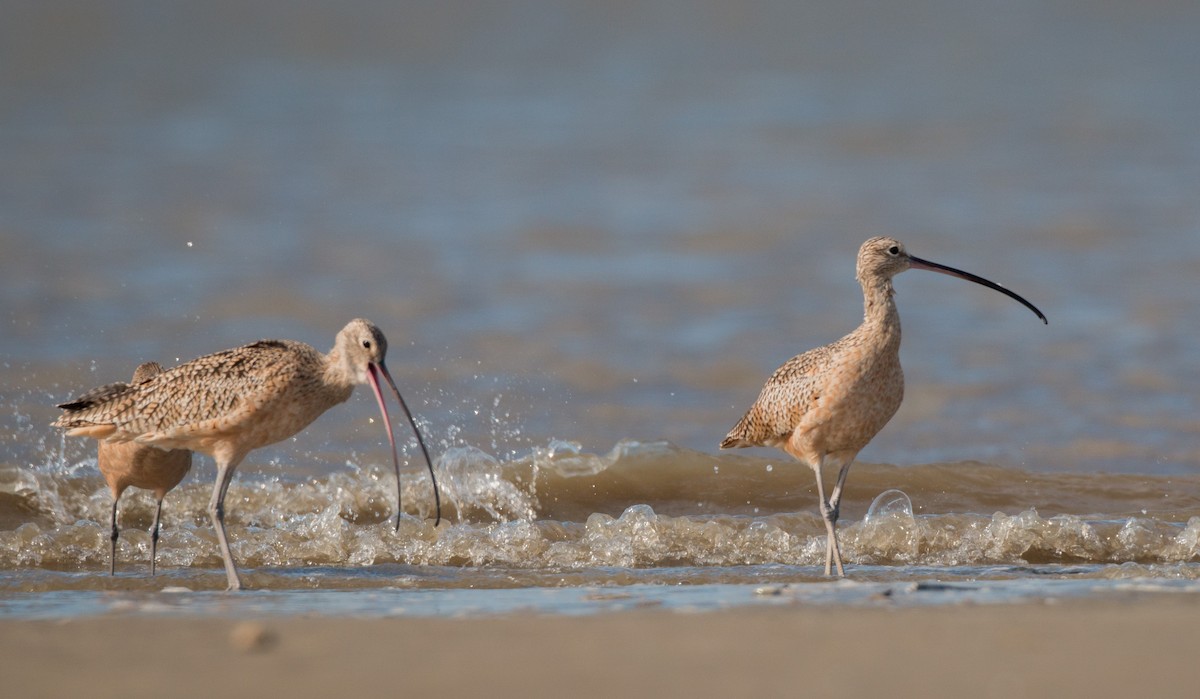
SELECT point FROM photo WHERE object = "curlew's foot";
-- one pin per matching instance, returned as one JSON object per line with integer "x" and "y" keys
{"x": 833, "y": 553}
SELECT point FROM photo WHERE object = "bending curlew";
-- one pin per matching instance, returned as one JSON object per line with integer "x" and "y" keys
{"x": 229, "y": 403}
{"x": 125, "y": 464}
{"x": 822, "y": 407}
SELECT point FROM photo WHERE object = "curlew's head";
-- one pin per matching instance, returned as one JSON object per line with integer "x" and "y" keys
{"x": 359, "y": 352}
{"x": 358, "y": 346}
{"x": 881, "y": 258}
{"x": 146, "y": 371}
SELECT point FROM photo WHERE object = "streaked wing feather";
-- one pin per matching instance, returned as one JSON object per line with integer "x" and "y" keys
{"x": 785, "y": 398}
{"x": 201, "y": 396}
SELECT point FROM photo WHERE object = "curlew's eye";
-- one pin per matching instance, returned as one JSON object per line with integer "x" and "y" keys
{"x": 894, "y": 250}
{"x": 367, "y": 344}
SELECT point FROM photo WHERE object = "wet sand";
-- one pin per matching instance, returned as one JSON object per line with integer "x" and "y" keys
{"x": 1142, "y": 645}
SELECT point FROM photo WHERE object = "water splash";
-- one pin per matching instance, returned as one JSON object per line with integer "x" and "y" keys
{"x": 475, "y": 480}
{"x": 640, "y": 505}
{"x": 889, "y": 532}
{"x": 892, "y": 504}
{"x": 568, "y": 459}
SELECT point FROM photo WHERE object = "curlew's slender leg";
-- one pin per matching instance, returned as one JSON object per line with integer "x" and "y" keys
{"x": 832, "y": 553}
{"x": 216, "y": 511}
{"x": 154, "y": 538}
{"x": 835, "y": 501}
{"x": 835, "y": 498}
{"x": 112, "y": 557}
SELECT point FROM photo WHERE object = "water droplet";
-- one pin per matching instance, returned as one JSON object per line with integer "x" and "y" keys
{"x": 890, "y": 503}
{"x": 770, "y": 468}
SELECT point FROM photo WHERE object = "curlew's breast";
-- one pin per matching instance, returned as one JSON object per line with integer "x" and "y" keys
{"x": 286, "y": 414}
{"x": 856, "y": 401}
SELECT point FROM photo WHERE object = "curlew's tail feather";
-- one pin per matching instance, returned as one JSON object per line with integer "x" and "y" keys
{"x": 739, "y": 436}
{"x": 93, "y": 397}
{"x": 89, "y": 415}
{"x": 753, "y": 431}
{"x": 731, "y": 442}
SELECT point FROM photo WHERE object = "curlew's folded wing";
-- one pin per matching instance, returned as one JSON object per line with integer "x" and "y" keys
{"x": 195, "y": 399}
{"x": 786, "y": 397}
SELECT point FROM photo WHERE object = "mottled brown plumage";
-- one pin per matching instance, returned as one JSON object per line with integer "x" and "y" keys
{"x": 229, "y": 403}
{"x": 822, "y": 407}
{"x": 126, "y": 464}
{"x": 265, "y": 391}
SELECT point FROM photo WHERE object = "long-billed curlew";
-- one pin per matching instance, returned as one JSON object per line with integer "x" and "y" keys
{"x": 822, "y": 407}
{"x": 125, "y": 464}
{"x": 229, "y": 403}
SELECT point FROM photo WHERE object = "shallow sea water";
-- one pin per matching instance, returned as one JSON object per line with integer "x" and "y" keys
{"x": 552, "y": 533}
{"x": 379, "y": 602}
{"x": 590, "y": 232}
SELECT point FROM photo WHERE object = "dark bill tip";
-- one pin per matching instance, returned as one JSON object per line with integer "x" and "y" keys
{"x": 437, "y": 499}
{"x": 918, "y": 263}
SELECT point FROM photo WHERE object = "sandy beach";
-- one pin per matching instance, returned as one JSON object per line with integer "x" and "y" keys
{"x": 1143, "y": 646}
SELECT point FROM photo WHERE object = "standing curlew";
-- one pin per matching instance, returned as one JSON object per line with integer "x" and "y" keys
{"x": 822, "y": 407}
{"x": 229, "y": 403}
{"x": 125, "y": 464}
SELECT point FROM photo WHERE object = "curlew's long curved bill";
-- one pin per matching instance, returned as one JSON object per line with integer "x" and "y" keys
{"x": 437, "y": 500}
{"x": 918, "y": 263}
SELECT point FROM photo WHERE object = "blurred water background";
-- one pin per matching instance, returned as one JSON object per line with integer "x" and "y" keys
{"x": 590, "y": 231}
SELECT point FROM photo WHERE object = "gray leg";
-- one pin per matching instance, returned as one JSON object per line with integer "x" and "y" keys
{"x": 112, "y": 557}
{"x": 831, "y": 546}
{"x": 835, "y": 501}
{"x": 216, "y": 511}
{"x": 833, "y": 554}
{"x": 154, "y": 538}
{"x": 835, "y": 498}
